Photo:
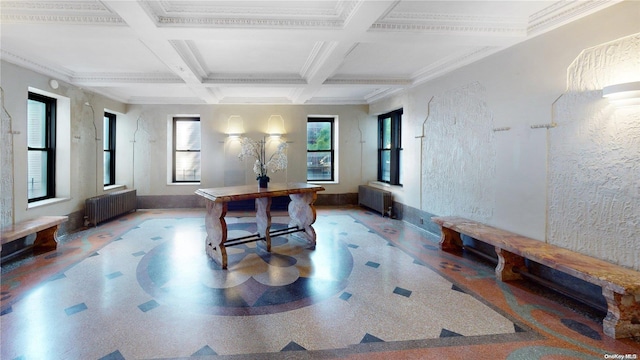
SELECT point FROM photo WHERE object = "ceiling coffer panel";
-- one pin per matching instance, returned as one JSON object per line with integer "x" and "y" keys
{"x": 281, "y": 52}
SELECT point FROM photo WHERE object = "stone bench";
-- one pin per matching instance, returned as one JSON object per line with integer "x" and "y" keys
{"x": 620, "y": 285}
{"x": 45, "y": 228}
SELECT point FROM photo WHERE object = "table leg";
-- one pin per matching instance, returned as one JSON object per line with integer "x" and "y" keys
{"x": 302, "y": 214}
{"x": 216, "y": 232}
{"x": 263, "y": 219}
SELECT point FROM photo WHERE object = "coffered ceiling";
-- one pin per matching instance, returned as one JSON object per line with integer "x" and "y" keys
{"x": 266, "y": 52}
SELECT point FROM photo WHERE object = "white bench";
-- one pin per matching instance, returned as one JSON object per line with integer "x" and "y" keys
{"x": 620, "y": 285}
{"x": 45, "y": 228}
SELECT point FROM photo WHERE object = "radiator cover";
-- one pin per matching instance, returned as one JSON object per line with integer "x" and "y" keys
{"x": 376, "y": 199}
{"x": 107, "y": 206}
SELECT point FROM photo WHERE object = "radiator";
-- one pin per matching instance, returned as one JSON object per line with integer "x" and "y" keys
{"x": 376, "y": 199}
{"x": 107, "y": 206}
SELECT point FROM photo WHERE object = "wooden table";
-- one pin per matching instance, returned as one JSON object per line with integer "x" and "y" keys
{"x": 302, "y": 214}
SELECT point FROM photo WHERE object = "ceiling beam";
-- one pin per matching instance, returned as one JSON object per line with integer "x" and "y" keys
{"x": 143, "y": 25}
{"x": 329, "y": 59}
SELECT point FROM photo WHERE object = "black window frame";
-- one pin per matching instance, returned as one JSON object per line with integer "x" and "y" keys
{"x": 394, "y": 149}
{"x": 110, "y": 122}
{"x": 331, "y": 121}
{"x": 50, "y": 145}
{"x": 175, "y": 151}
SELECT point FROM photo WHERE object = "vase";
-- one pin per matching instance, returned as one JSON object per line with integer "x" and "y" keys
{"x": 263, "y": 181}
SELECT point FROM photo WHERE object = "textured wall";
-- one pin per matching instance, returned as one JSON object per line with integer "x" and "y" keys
{"x": 141, "y": 140}
{"x": 594, "y": 159}
{"x": 6, "y": 165}
{"x": 458, "y": 155}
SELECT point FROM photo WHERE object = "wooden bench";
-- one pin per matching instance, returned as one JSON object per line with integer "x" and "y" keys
{"x": 620, "y": 285}
{"x": 45, "y": 227}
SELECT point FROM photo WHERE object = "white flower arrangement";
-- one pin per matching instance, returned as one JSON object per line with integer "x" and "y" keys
{"x": 262, "y": 165}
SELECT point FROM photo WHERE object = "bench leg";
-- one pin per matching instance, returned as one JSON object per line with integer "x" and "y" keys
{"x": 450, "y": 240}
{"x": 46, "y": 240}
{"x": 623, "y": 315}
{"x": 507, "y": 261}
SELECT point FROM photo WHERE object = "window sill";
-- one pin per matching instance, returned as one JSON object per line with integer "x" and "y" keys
{"x": 184, "y": 184}
{"x": 385, "y": 185}
{"x": 319, "y": 182}
{"x": 114, "y": 187}
{"x": 46, "y": 202}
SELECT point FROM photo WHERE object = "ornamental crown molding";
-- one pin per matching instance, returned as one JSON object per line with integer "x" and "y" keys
{"x": 335, "y": 101}
{"x": 174, "y": 8}
{"x": 130, "y": 78}
{"x": 451, "y": 28}
{"x": 53, "y": 5}
{"x": 563, "y": 12}
{"x": 69, "y": 12}
{"x": 249, "y": 23}
{"x": 173, "y": 13}
{"x": 67, "y": 19}
{"x": 372, "y": 81}
{"x": 59, "y": 73}
{"x": 139, "y": 100}
{"x": 451, "y": 23}
{"x": 253, "y": 100}
{"x": 254, "y": 79}
{"x": 451, "y": 63}
{"x": 451, "y": 18}
{"x": 381, "y": 93}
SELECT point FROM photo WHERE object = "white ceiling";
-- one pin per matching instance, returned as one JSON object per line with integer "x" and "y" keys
{"x": 275, "y": 52}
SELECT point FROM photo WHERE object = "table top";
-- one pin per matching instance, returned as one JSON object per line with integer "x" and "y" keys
{"x": 245, "y": 192}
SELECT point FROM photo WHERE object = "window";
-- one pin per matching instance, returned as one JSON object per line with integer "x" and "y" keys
{"x": 320, "y": 149}
{"x": 41, "y": 143}
{"x": 389, "y": 147}
{"x": 109, "y": 147}
{"x": 186, "y": 149}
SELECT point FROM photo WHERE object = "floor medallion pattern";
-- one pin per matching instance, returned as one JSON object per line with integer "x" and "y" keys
{"x": 178, "y": 272}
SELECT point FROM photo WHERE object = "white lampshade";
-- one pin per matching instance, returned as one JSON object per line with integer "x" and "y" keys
{"x": 235, "y": 126}
{"x": 276, "y": 126}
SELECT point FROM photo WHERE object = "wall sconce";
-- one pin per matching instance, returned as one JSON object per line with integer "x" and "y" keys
{"x": 235, "y": 126}
{"x": 275, "y": 127}
{"x": 623, "y": 94}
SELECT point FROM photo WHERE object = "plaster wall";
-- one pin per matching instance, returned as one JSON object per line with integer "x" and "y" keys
{"x": 519, "y": 84}
{"x": 143, "y": 145}
{"x": 459, "y": 130}
{"x": 6, "y": 164}
{"x": 79, "y": 159}
{"x": 594, "y": 158}
{"x": 148, "y": 168}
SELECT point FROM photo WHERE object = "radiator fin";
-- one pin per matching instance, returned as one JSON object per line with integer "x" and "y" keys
{"x": 376, "y": 199}
{"x": 107, "y": 206}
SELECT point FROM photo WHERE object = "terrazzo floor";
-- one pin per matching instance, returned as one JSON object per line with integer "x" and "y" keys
{"x": 141, "y": 287}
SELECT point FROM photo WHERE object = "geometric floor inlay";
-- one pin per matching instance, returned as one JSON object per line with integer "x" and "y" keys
{"x": 155, "y": 294}
{"x": 257, "y": 281}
